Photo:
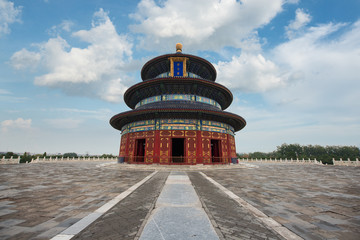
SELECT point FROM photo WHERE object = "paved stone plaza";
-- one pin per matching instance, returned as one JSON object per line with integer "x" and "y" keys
{"x": 40, "y": 201}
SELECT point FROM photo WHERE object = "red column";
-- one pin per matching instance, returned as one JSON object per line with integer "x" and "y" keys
{"x": 157, "y": 147}
{"x": 127, "y": 146}
{"x": 199, "y": 151}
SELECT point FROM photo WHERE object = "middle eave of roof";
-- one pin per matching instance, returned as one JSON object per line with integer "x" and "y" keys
{"x": 160, "y": 86}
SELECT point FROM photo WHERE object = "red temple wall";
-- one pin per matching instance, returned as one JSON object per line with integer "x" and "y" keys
{"x": 197, "y": 146}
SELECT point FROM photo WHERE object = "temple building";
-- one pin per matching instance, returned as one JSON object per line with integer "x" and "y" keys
{"x": 177, "y": 114}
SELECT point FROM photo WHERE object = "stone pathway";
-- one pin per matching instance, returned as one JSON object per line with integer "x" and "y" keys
{"x": 178, "y": 213}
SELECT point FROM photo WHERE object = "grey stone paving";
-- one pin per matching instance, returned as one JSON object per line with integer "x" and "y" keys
{"x": 178, "y": 213}
{"x": 125, "y": 219}
{"x": 233, "y": 221}
{"x": 38, "y": 201}
{"x": 313, "y": 201}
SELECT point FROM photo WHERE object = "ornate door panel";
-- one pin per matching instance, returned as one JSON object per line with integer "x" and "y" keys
{"x": 225, "y": 154}
{"x": 206, "y": 150}
{"x": 191, "y": 150}
{"x": 131, "y": 147}
{"x": 122, "y": 152}
{"x": 232, "y": 146}
{"x": 164, "y": 149}
{"x": 150, "y": 144}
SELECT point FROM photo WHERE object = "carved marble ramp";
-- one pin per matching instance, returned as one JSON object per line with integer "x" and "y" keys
{"x": 178, "y": 213}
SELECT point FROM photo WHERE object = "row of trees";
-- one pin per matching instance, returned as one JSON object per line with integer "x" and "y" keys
{"x": 27, "y": 157}
{"x": 294, "y": 151}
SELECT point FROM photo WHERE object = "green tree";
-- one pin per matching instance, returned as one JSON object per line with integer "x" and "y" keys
{"x": 258, "y": 155}
{"x": 107, "y": 155}
{"x": 323, "y": 154}
{"x": 25, "y": 158}
{"x": 70, "y": 155}
{"x": 11, "y": 154}
{"x": 289, "y": 151}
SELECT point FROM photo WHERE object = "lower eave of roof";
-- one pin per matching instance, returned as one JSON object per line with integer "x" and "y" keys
{"x": 121, "y": 119}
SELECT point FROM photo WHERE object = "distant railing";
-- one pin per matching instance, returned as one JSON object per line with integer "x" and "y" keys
{"x": 280, "y": 160}
{"x": 12, "y": 160}
{"x": 181, "y": 160}
{"x": 339, "y": 162}
{"x": 347, "y": 162}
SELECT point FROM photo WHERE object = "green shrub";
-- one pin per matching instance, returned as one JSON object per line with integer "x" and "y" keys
{"x": 25, "y": 159}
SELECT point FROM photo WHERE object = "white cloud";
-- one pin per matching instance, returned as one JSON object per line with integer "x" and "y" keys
{"x": 65, "y": 25}
{"x": 249, "y": 73}
{"x": 25, "y": 59}
{"x": 16, "y": 124}
{"x": 301, "y": 20}
{"x": 94, "y": 71}
{"x": 316, "y": 70}
{"x": 329, "y": 68}
{"x": 8, "y": 14}
{"x": 310, "y": 89}
{"x": 202, "y": 24}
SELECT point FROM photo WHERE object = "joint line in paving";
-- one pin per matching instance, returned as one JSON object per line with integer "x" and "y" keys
{"x": 71, "y": 231}
{"x": 268, "y": 221}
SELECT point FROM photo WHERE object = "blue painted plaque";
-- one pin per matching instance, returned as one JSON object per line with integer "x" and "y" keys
{"x": 178, "y": 69}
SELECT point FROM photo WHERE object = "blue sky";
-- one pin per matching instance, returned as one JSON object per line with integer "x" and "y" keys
{"x": 293, "y": 67}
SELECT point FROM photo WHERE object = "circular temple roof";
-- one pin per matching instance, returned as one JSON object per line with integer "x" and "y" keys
{"x": 156, "y": 83}
{"x": 194, "y": 64}
{"x": 160, "y": 86}
{"x": 175, "y": 111}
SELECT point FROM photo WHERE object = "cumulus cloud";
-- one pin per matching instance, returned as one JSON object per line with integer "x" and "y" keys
{"x": 99, "y": 70}
{"x": 249, "y": 73}
{"x": 65, "y": 25}
{"x": 25, "y": 59}
{"x": 202, "y": 24}
{"x": 329, "y": 65}
{"x": 315, "y": 69}
{"x": 301, "y": 20}
{"x": 19, "y": 123}
{"x": 8, "y": 14}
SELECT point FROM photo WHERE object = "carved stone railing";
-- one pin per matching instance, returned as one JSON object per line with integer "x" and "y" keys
{"x": 12, "y": 160}
{"x": 280, "y": 160}
{"x": 347, "y": 162}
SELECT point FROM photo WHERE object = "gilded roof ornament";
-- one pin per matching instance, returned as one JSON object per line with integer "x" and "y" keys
{"x": 179, "y": 47}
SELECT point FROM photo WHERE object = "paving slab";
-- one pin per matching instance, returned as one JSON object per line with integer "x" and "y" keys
{"x": 38, "y": 201}
{"x": 231, "y": 220}
{"x": 313, "y": 201}
{"x": 125, "y": 219}
{"x": 178, "y": 213}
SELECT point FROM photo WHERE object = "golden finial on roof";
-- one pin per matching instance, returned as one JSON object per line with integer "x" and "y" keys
{"x": 179, "y": 47}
